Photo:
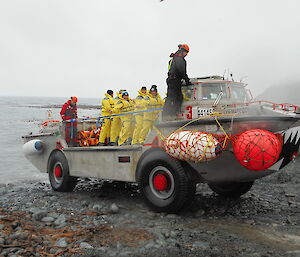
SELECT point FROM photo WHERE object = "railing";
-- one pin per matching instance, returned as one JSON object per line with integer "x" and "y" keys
{"x": 275, "y": 106}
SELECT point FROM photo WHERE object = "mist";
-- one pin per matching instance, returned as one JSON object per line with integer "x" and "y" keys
{"x": 62, "y": 48}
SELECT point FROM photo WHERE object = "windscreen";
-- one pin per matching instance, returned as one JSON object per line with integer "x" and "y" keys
{"x": 210, "y": 91}
{"x": 239, "y": 94}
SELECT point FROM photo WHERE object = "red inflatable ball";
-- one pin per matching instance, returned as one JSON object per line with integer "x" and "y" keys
{"x": 257, "y": 149}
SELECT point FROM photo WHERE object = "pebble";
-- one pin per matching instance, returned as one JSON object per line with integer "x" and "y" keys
{"x": 62, "y": 242}
{"x": 61, "y": 220}
{"x": 114, "y": 208}
{"x": 85, "y": 245}
{"x": 19, "y": 235}
{"x": 39, "y": 215}
{"x": 47, "y": 219}
{"x": 97, "y": 207}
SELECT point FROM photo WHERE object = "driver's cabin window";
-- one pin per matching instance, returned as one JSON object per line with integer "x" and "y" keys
{"x": 210, "y": 91}
{"x": 189, "y": 93}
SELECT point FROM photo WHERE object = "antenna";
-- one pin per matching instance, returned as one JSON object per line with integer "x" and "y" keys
{"x": 224, "y": 73}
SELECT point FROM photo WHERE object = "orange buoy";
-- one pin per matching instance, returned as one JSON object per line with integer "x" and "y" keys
{"x": 257, "y": 149}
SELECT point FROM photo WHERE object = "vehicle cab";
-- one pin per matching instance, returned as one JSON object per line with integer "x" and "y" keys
{"x": 212, "y": 94}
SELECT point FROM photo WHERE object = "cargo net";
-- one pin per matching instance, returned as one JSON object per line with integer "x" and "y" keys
{"x": 89, "y": 137}
{"x": 194, "y": 146}
{"x": 257, "y": 149}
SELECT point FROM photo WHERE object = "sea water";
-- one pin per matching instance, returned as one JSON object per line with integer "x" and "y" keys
{"x": 18, "y": 117}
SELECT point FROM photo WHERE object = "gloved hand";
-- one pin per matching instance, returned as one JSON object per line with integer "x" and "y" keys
{"x": 188, "y": 83}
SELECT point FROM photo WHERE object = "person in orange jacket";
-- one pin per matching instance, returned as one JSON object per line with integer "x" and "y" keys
{"x": 69, "y": 115}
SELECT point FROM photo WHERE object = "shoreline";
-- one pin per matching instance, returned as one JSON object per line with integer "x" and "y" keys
{"x": 105, "y": 218}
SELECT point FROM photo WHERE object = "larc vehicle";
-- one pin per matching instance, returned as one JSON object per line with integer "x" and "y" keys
{"x": 222, "y": 138}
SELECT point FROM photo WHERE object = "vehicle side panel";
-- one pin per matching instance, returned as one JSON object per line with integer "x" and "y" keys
{"x": 116, "y": 163}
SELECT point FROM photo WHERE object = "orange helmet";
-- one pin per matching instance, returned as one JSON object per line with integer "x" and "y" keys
{"x": 184, "y": 47}
{"x": 74, "y": 99}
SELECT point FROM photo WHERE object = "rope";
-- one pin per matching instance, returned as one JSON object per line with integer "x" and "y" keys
{"x": 115, "y": 115}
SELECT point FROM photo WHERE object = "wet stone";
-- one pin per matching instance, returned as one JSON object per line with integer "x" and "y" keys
{"x": 85, "y": 245}
{"x": 114, "y": 208}
{"x": 19, "y": 235}
{"x": 61, "y": 242}
{"x": 47, "y": 219}
{"x": 97, "y": 207}
{"x": 39, "y": 215}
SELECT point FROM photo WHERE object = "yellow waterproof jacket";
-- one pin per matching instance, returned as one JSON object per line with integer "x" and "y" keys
{"x": 153, "y": 102}
{"x": 140, "y": 103}
{"x": 117, "y": 99}
{"x": 107, "y": 105}
{"x": 124, "y": 106}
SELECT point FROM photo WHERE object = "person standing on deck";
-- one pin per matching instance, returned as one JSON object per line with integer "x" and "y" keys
{"x": 139, "y": 106}
{"x": 124, "y": 106}
{"x": 68, "y": 114}
{"x": 176, "y": 74}
{"x": 153, "y": 101}
{"x": 107, "y": 106}
{"x": 116, "y": 121}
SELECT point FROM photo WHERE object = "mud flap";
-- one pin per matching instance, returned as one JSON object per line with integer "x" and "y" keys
{"x": 291, "y": 143}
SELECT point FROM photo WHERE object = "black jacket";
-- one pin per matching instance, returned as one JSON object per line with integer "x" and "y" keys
{"x": 177, "y": 68}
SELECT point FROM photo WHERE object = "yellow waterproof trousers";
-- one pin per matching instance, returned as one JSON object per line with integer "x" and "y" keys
{"x": 147, "y": 126}
{"x": 115, "y": 129}
{"x": 105, "y": 130}
{"x": 125, "y": 131}
{"x": 138, "y": 128}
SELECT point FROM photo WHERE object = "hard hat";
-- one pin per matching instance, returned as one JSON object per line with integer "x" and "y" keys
{"x": 74, "y": 99}
{"x": 184, "y": 47}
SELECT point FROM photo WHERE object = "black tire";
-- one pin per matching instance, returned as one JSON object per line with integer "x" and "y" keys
{"x": 155, "y": 164}
{"x": 58, "y": 171}
{"x": 234, "y": 189}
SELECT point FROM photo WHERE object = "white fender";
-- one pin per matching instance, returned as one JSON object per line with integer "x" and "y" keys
{"x": 34, "y": 146}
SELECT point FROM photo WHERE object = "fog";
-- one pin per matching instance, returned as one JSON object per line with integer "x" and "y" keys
{"x": 83, "y": 48}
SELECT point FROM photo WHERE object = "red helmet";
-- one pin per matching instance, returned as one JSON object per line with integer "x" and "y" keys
{"x": 74, "y": 99}
{"x": 184, "y": 47}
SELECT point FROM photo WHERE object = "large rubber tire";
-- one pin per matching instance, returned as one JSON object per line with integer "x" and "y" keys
{"x": 157, "y": 163}
{"x": 234, "y": 189}
{"x": 59, "y": 176}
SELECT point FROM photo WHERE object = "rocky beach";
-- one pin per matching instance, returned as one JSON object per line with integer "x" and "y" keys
{"x": 104, "y": 218}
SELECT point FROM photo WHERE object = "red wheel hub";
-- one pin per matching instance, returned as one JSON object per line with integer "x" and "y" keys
{"x": 58, "y": 171}
{"x": 160, "y": 182}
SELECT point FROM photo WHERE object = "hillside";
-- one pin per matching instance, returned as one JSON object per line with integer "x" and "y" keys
{"x": 289, "y": 93}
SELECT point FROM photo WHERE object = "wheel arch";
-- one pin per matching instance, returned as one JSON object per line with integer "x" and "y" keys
{"x": 54, "y": 152}
{"x": 189, "y": 170}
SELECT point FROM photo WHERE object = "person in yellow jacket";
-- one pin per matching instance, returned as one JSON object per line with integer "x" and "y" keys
{"x": 124, "y": 106}
{"x": 139, "y": 106}
{"x": 107, "y": 107}
{"x": 153, "y": 101}
{"x": 116, "y": 121}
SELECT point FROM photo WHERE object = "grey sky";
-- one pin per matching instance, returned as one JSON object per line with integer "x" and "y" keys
{"x": 63, "y": 48}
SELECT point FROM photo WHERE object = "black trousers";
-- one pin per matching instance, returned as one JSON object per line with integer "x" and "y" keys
{"x": 174, "y": 98}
